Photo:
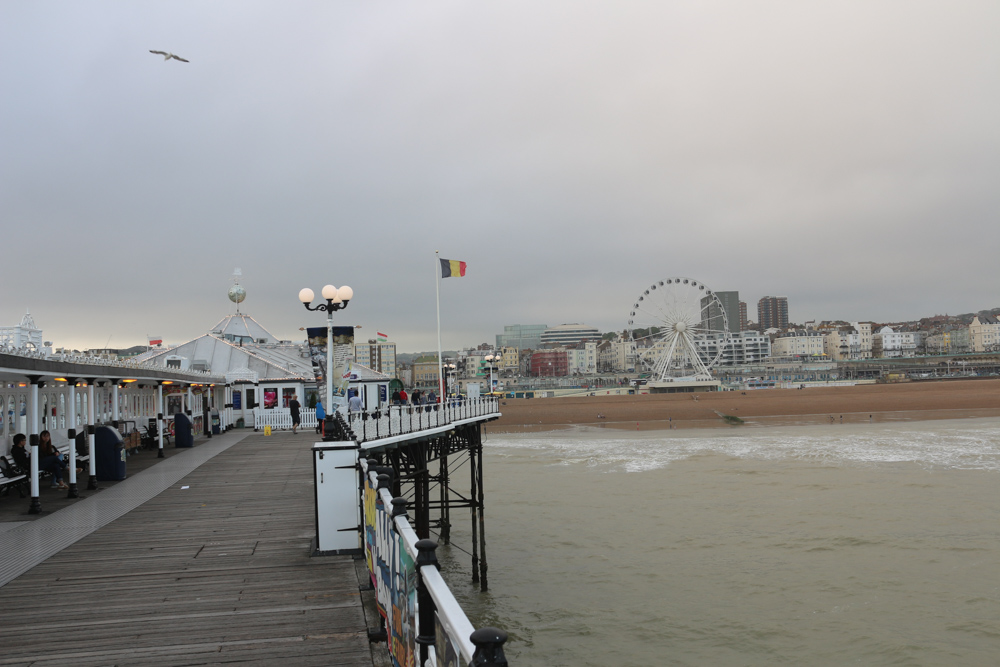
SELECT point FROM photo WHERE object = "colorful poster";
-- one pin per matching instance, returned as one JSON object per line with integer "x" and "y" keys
{"x": 270, "y": 398}
{"x": 445, "y": 647}
{"x": 343, "y": 352}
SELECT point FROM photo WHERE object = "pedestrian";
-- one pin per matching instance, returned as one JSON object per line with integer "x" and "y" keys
{"x": 354, "y": 402}
{"x": 403, "y": 398}
{"x": 395, "y": 397}
{"x": 294, "y": 406}
{"x": 320, "y": 417}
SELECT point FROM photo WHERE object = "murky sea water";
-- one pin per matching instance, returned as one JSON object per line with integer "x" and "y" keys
{"x": 820, "y": 545}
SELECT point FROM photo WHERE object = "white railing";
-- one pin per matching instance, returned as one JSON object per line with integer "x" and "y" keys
{"x": 411, "y": 595}
{"x": 395, "y": 420}
{"x": 280, "y": 419}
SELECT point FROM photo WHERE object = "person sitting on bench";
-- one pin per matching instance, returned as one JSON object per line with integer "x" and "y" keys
{"x": 51, "y": 460}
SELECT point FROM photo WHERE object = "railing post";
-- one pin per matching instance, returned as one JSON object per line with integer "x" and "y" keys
{"x": 489, "y": 647}
{"x": 425, "y": 603}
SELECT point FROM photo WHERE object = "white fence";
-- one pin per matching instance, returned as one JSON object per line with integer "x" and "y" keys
{"x": 280, "y": 419}
{"x": 395, "y": 420}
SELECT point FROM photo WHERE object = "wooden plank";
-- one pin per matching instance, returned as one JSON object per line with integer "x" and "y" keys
{"x": 214, "y": 574}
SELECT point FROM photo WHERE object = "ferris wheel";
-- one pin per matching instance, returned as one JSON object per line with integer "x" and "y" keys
{"x": 679, "y": 329}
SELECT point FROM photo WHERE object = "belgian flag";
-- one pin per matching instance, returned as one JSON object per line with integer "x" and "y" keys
{"x": 452, "y": 268}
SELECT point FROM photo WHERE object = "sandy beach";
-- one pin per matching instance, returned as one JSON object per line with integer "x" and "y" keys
{"x": 912, "y": 401}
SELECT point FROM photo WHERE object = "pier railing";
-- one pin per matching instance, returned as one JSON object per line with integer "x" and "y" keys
{"x": 395, "y": 420}
{"x": 423, "y": 622}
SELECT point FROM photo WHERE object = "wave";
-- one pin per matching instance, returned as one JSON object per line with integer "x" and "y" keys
{"x": 971, "y": 446}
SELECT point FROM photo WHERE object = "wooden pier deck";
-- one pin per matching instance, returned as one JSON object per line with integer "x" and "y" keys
{"x": 216, "y": 573}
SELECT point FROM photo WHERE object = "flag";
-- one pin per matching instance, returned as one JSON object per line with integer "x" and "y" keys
{"x": 155, "y": 341}
{"x": 381, "y": 337}
{"x": 452, "y": 268}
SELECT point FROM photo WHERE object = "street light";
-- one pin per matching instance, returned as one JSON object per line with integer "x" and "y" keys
{"x": 336, "y": 299}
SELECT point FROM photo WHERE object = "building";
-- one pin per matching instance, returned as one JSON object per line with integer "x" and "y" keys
{"x": 887, "y": 344}
{"x": 952, "y": 341}
{"x": 425, "y": 374}
{"x": 772, "y": 313}
{"x": 378, "y": 356}
{"x": 522, "y": 336}
{"x": 743, "y": 316}
{"x": 568, "y": 334}
{"x": 24, "y": 335}
{"x": 984, "y": 334}
{"x": 582, "y": 358}
{"x": 616, "y": 356}
{"x": 549, "y": 363}
{"x": 850, "y": 343}
{"x": 730, "y": 306}
{"x": 798, "y": 344}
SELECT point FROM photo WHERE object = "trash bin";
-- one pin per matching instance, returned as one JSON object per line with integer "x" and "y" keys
{"x": 216, "y": 427}
{"x": 110, "y": 452}
{"x": 183, "y": 436}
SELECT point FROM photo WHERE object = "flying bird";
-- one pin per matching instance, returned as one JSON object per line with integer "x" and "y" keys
{"x": 168, "y": 56}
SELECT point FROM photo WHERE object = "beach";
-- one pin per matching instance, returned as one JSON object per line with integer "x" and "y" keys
{"x": 877, "y": 403}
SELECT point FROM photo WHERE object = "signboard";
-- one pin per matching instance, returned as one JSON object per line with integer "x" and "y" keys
{"x": 343, "y": 345}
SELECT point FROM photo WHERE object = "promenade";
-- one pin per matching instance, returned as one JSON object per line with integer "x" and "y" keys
{"x": 202, "y": 558}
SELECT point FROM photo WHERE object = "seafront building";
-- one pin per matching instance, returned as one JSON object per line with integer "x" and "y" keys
{"x": 798, "y": 344}
{"x": 568, "y": 334}
{"x": 730, "y": 306}
{"x": 984, "y": 334}
{"x": 522, "y": 336}
{"x": 379, "y": 356}
{"x": 772, "y": 313}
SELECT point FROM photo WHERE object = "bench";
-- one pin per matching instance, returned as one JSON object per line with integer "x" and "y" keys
{"x": 11, "y": 478}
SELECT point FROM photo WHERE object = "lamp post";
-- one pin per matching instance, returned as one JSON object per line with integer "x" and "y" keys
{"x": 491, "y": 360}
{"x": 336, "y": 299}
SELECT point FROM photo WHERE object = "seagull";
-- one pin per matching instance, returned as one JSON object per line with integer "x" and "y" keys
{"x": 168, "y": 56}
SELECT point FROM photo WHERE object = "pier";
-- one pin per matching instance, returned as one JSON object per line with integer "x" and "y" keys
{"x": 216, "y": 572}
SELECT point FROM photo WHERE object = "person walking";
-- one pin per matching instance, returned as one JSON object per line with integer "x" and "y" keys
{"x": 320, "y": 418}
{"x": 294, "y": 406}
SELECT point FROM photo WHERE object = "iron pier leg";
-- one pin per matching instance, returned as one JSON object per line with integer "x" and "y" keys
{"x": 475, "y": 514}
{"x": 483, "y": 567}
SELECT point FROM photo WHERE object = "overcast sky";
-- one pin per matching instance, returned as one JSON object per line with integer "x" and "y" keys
{"x": 842, "y": 154}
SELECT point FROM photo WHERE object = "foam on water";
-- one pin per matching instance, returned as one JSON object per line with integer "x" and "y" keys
{"x": 962, "y": 444}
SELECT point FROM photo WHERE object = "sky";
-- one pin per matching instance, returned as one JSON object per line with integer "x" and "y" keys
{"x": 843, "y": 154}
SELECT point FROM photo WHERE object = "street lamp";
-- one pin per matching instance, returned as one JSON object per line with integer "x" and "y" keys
{"x": 492, "y": 360}
{"x": 336, "y": 299}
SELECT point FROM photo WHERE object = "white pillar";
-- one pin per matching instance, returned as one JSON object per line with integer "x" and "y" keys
{"x": 33, "y": 443}
{"x": 71, "y": 428}
{"x": 91, "y": 438}
{"x": 159, "y": 419}
{"x": 114, "y": 401}
{"x": 190, "y": 399}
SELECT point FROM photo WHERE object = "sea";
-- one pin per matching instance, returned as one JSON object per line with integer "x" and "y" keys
{"x": 840, "y": 544}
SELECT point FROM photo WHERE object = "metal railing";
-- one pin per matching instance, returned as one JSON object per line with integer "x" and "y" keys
{"x": 419, "y": 612}
{"x": 393, "y": 420}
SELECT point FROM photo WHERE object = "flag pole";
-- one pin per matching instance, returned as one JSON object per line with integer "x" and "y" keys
{"x": 437, "y": 292}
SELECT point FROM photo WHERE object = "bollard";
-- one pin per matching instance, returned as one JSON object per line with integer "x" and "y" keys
{"x": 399, "y": 507}
{"x": 489, "y": 648}
{"x": 426, "y": 609}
